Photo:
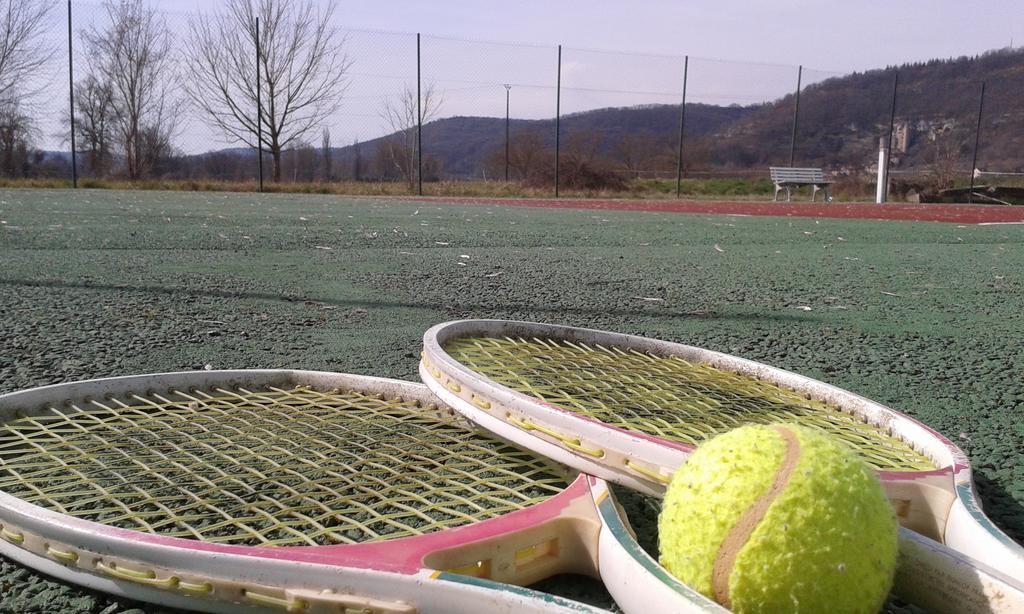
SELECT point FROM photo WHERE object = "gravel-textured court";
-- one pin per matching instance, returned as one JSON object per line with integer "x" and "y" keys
{"x": 925, "y": 317}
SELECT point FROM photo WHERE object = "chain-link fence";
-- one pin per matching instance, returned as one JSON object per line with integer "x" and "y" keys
{"x": 290, "y": 94}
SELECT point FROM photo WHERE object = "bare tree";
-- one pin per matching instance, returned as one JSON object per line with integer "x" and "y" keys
{"x": 326, "y": 155}
{"x": 582, "y": 147}
{"x": 222, "y": 166}
{"x": 94, "y": 122}
{"x": 527, "y": 153}
{"x": 299, "y": 162}
{"x": 634, "y": 152}
{"x": 583, "y": 167}
{"x": 133, "y": 54}
{"x": 948, "y": 142}
{"x": 300, "y": 61}
{"x": 16, "y": 132}
{"x": 24, "y": 48}
{"x": 399, "y": 149}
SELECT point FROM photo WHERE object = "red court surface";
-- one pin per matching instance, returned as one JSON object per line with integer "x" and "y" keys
{"x": 956, "y": 214}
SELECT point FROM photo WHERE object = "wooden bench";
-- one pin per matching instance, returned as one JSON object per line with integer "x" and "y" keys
{"x": 786, "y": 178}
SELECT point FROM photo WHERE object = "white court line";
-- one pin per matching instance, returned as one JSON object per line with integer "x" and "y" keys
{"x": 999, "y": 223}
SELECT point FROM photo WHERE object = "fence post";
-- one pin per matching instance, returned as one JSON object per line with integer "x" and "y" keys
{"x": 883, "y": 179}
{"x": 419, "y": 121}
{"x": 977, "y": 141}
{"x": 357, "y": 170}
{"x": 892, "y": 122}
{"x": 682, "y": 127}
{"x": 508, "y": 93}
{"x": 796, "y": 115}
{"x": 71, "y": 98}
{"x": 259, "y": 107}
{"x": 558, "y": 118}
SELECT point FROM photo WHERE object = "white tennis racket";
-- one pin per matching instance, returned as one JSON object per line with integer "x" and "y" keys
{"x": 631, "y": 409}
{"x": 302, "y": 492}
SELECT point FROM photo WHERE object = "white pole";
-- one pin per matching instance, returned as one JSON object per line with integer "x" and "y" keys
{"x": 882, "y": 178}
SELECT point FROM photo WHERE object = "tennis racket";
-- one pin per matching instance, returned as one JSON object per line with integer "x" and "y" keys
{"x": 301, "y": 491}
{"x": 631, "y": 409}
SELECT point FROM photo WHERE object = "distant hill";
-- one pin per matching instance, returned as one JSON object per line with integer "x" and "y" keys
{"x": 840, "y": 123}
{"x": 463, "y": 144}
{"x": 841, "y": 119}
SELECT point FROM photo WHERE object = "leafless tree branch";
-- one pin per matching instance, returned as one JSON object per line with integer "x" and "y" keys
{"x": 16, "y": 133}
{"x": 401, "y": 116}
{"x": 133, "y": 55}
{"x": 24, "y": 48}
{"x": 301, "y": 62}
{"x": 94, "y": 122}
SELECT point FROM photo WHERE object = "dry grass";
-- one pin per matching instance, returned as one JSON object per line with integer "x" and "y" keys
{"x": 347, "y": 188}
{"x": 704, "y": 189}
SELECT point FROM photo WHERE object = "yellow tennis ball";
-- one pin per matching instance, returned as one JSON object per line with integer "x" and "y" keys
{"x": 780, "y": 518}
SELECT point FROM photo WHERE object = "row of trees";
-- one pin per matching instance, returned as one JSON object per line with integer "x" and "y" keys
{"x": 282, "y": 57}
{"x": 24, "y": 51}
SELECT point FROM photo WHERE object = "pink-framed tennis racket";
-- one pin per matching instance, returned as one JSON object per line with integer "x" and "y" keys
{"x": 631, "y": 409}
{"x": 298, "y": 491}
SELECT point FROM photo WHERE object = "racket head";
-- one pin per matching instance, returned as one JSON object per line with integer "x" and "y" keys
{"x": 929, "y": 574}
{"x": 461, "y": 565}
{"x": 936, "y": 499}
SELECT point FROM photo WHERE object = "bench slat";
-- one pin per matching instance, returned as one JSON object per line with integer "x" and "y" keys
{"x": 786, "y": 177}
{"x": 794, "y": 175}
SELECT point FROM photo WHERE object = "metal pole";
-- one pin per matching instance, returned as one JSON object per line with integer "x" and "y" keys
{"x": 419, "y": 122}
{"x": 883, "y": 179}
{"x": 71, "y": 96}
{"x": 508, "y": 91}
{"x": 259, "y": 107}
{"x": 558, "y": 118}
{"x": 977, "y": 140}
{"x": 796, "y": 115}
{"x": 682, "y": 127}
{"x": 892, "y": 122}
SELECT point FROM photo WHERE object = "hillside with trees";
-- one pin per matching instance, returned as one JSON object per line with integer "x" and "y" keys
{"x": 840, "y": 123}
{"x": 842, "y": 119}
{"x": 474, "y": 147}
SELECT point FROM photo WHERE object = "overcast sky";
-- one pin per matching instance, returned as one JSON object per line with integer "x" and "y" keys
{"x": 841, "y": 35}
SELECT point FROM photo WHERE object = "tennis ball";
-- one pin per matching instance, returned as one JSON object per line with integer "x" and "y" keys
{"x": 780, "y": 518}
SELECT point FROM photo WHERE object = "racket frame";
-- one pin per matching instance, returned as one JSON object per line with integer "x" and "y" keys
{"x": 929, "y": 574}
{"x": 942, "y": 504}
{"x": 579, "y": 530}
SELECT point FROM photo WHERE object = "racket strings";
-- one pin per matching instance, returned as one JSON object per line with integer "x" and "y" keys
{"x": 267, "y": 467}
{"x": 667, "y": 397}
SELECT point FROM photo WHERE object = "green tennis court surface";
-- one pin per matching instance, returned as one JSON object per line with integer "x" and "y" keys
{"x": 925, "y": 317}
